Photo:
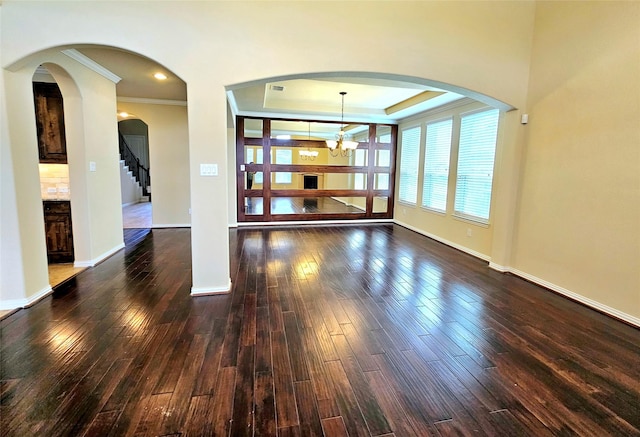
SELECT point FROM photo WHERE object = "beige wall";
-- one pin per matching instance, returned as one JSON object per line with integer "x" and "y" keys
{"x": 583, "y": 60}
{"x": 169, "y": 156}
{"x": 579, "y": 218}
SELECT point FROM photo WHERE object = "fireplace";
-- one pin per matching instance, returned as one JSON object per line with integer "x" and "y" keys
{"x": 310, "y": 182}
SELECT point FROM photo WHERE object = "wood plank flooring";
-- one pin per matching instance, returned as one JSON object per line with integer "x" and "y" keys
{"x": 337, "y": 331}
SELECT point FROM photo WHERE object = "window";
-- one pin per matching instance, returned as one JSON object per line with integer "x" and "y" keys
{"x": 359, "y": 161}
{"x": 478, "y": 134}
{"x": 436, "y": 165}
{"x": 410, "y": 150}
{"x": 283, "y": 156}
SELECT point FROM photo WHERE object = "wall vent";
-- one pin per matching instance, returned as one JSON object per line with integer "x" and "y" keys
{"x": 277, "y": 88}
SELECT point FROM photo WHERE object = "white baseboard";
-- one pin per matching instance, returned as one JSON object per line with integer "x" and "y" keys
{"x": 577, "y": 297}
{"x": 317, "y": 222}
{"x": 12, "y": 304}
{"x": 93, "y": 262}
{"x": 207, "y": 291}
{"x": 461, "y": 248}
{"x": 173, "y": 225}
{"x": 31, "y": 300}
{"x": 498, "y": 267}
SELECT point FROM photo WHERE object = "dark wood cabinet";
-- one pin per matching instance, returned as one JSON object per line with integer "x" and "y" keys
{"x": 57, "y": 225}
{"x": 52, "y": 145}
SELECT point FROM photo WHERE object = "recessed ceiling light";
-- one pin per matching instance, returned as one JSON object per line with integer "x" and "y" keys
{"x": 160, "y": 76}
{"x": 123, "y": 114}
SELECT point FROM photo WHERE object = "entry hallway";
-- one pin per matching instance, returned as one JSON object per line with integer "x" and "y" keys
{"x": 354, "y": 330}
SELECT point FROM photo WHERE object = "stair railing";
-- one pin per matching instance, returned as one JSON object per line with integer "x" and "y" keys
{"x": 139, "y": 171}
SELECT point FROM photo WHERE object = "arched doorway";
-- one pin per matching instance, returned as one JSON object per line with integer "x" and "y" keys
{"x": 53, "y": 170}
{"x": 135, "y": 172}
{"x": 90, "y": 106}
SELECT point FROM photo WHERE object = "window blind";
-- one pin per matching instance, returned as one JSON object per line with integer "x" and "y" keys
{"x": 436, "y": 165}
{"x": 478, "y": 134}
{"x": 410, "y": 151}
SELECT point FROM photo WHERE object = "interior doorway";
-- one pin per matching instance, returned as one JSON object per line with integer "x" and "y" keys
{"x": 53, "y": 168}
{"x": 135, "y": 174}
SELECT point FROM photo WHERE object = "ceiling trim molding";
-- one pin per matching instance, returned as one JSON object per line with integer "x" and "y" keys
{"x": 152, "y": 101}
{"x": 233, "y": 105}
{"x": 314, "y": 117}
{"x": 446, "y": 107}
{"x": 91, "y": 65}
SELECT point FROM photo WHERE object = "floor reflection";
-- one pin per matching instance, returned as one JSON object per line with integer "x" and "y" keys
{"x": 300, "y": 205}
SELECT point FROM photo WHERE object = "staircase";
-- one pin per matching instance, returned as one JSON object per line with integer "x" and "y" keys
{"x": 131, "y": 165}
{"x": 130, "y": 187}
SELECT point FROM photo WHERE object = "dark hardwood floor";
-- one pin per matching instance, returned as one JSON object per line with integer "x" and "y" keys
{"x": 354, "y": 330}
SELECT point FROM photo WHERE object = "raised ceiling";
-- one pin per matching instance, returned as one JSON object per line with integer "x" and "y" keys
{"x": 368, "y": 99}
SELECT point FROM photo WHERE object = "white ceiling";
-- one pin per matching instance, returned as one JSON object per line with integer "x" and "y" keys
{"x": 368, "y": 99}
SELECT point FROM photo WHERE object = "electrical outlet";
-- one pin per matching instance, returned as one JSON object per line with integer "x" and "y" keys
{"x": 469, "y": 232}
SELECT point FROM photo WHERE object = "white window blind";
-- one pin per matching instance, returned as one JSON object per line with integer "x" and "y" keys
{"x": 283, "y": 156}
{"x": 478, "y": 134}
{"x": 410, "y": 152}
{"x": 436, "y": 165}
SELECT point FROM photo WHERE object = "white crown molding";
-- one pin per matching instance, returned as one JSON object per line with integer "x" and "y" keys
{"x": 233, "y": 104}
{"x": 145, "y": 101}
{"x": 446, "y": 107}
{"x": 91, "y": 65}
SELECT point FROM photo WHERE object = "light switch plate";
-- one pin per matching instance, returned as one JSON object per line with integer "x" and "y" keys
{"x": 208, "y": 169}
{"x": 92, "y": 166}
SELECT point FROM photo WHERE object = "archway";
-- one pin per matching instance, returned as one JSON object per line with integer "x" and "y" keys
{"x": 297, "y": 109}
{"x": 90, "y": 104}
{"x": 53, "y": 170}
{"x": 135, "y": 172}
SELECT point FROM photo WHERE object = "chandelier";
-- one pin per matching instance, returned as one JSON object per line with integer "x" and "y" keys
{"x": 308, "y": 155}
{"x": 341, "y": 145}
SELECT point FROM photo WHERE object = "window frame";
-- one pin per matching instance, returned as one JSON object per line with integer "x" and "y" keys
{"x": 452, "y": 126}
{"x": 403, "y": 155}
{"x": 462, "y": 215}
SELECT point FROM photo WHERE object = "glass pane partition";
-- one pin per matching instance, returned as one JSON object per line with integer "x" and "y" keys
{"x": 288, "y": 165}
